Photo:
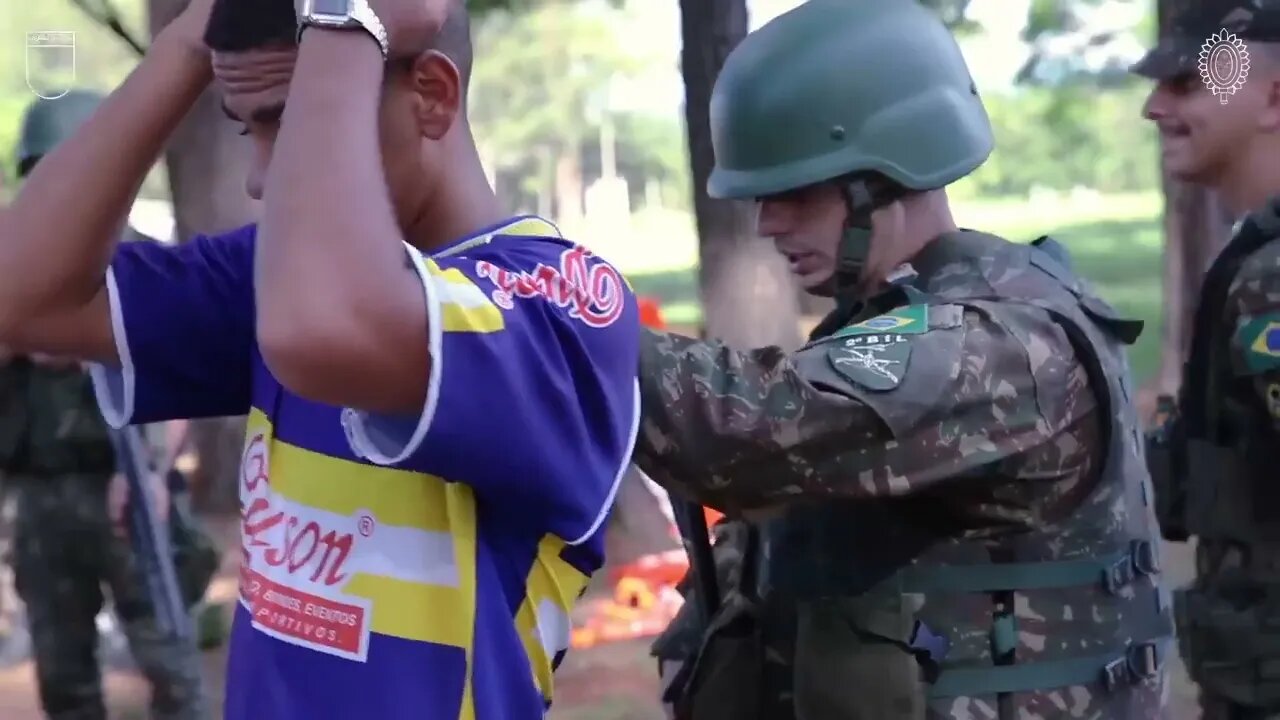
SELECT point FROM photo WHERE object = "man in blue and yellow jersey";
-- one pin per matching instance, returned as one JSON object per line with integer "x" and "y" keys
{"x": 441, "y": 399}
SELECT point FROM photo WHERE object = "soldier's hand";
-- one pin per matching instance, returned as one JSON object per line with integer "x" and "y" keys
{"x": 118, "y": 500}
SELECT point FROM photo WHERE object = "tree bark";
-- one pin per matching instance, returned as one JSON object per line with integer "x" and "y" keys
{"x": 1196, "y": 229}
{"x": 207, "y": 164}
{"x": 749, "y": 298}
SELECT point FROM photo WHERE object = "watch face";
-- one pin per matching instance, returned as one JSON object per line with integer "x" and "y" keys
{"x": 338, "y": 8}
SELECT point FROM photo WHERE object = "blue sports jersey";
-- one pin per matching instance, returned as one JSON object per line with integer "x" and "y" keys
{"x": 402, "y": 567}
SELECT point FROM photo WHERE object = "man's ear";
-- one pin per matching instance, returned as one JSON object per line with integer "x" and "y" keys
{"x": 437, "y": 86}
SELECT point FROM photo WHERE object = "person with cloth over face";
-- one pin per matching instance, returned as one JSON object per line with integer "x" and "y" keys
{"x": 947, "y": 482}
{"x": 441, "y": 398}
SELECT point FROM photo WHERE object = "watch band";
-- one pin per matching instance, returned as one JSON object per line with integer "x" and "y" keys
{"x": 359, "y": 17}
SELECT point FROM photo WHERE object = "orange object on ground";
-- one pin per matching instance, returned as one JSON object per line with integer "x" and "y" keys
{"x": 638, "y": 609}
{"x": 651, "y": 313}
{"x": 664, "y": 568}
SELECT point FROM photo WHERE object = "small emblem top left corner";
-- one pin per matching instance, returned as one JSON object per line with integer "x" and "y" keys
{"x": 51, "y": 63}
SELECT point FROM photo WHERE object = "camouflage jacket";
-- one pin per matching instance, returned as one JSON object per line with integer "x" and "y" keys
{"x": 1253, "y": 310}
{"x": 1232, "y": 449}
{"x": 50, "y": 423}
{"x": 981, "y": 425}
{"x": 1218, "y": 475}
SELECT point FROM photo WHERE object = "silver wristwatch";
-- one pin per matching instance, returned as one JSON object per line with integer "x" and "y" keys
{"x": 343, "y": 15}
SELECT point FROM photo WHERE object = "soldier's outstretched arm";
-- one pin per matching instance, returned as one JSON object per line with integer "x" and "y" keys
{"x": 864, "y": 413}
{"x": 1254, "y": 302}
{"x": 57, "y": 237}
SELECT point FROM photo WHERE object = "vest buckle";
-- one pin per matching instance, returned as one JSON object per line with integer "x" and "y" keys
{"x": 1142, "y": 559}
{"x": 1146, "y": 560}
{"x": 1141, "y": 661}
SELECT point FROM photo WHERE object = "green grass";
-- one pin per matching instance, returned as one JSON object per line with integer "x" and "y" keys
{"x": 1115, "y": 243}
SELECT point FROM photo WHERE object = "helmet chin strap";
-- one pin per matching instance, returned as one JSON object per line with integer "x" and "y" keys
{"x": 855, "y": 242}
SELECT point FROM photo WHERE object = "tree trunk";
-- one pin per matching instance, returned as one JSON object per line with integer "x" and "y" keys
{"x": 1196, "y": 229}
{"x": 207, "y": 165}
{"x": 568, "y": 187}
{"x": 749, "y": 298}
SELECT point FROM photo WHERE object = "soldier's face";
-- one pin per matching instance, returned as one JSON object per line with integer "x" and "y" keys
{"x": 805, "y": 226}
{"x": 1201, "y": 139}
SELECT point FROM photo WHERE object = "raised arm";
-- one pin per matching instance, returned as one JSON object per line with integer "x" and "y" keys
{"x": 862, "y": 415}
{"x": 335, "y": 289}
{"x": 58, "y": 236}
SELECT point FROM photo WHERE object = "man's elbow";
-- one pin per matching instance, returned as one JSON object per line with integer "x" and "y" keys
{"x": 301, "y": 353}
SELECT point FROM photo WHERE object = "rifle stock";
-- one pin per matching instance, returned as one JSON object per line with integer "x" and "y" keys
{"x": 692, "y": 523}
{"x": 149, "y": 536}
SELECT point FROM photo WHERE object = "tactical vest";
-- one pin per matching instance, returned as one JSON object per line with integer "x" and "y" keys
{"x": 50, "y": 423}
{"x": 1218, "y": 483}
{"x": 873, "y": 579}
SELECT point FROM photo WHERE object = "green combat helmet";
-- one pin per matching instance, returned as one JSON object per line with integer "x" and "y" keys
{"x": 871, "y": 91}
{"x": 48, "y": 122}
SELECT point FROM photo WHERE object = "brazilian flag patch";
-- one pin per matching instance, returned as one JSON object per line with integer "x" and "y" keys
{"x": 909, "y": 320}
{"x": 1260, "y": 340}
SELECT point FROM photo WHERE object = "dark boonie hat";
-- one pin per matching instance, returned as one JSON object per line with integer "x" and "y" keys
{"x": 1247, "y": 20}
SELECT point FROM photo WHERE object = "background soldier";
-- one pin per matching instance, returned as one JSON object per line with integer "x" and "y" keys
{"x": 58, "y": 460}
{"x": 1214, "y": 465}
{"x": 953, "y": 463}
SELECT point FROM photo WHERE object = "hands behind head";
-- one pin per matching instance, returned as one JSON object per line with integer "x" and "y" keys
{"x": 188, "y": 28}
{"x": 411, "y": 25}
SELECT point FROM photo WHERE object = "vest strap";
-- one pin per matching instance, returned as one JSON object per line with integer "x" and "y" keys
{"x": 1112, "y": 671}
{"x": 1113, "y": 572}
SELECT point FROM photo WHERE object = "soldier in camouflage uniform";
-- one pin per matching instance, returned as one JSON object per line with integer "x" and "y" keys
{"x": 57, "y": 457}
{"x": 1214, "y": 463}
{"x": 948, "y": 481}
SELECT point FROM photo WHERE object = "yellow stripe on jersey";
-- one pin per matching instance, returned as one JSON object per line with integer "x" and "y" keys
{"x": 392, "y": 496}
{"x": 411, "y": 505}
{"x": 532, "y": 226}
{"x": 463, "y": 306}
{"x": 460, "y": 502}
{"x": 543, "y": 620}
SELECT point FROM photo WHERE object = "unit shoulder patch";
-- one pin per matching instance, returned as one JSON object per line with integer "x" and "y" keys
{"x": 875, "y": 362}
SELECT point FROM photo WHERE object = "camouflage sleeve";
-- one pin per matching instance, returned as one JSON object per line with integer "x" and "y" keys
{"x": 1253, "y": 309}
{"x": 861, "y": 414}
